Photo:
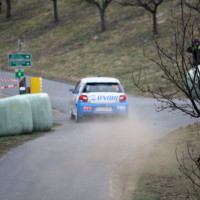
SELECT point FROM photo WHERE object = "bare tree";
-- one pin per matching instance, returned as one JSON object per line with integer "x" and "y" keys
{"x": 195, "y": 5}
{"x": 55, "y": 7}
{"x": 102, "y": 6}
{"x": 189, "y": 166}
{"x": 8, "y": 10}
{"x": 177, "y": 69}
{"x": 149, "y": 5}
{"x": 176, "y": 66}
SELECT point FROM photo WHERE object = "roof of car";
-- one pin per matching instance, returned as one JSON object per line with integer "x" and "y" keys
{"x": 99, "y": 80}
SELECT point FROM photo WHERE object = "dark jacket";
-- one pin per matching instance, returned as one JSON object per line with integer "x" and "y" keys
{"x": 195, "y": 50}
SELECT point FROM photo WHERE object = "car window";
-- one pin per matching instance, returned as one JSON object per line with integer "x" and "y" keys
{"x": 102, "y": 87}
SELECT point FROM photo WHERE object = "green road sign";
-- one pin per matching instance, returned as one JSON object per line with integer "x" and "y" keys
{"x": 19, "y": 56}
{"x": 19, "y": 63}
{"x": 19, "y": 73}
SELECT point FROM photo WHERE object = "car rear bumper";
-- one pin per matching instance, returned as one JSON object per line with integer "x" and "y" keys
{"x": 102, "y": 109}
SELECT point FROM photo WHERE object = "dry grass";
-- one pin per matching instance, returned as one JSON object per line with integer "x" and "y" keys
{"x": 75, "y": 47}
{"x": 153, "y": 173}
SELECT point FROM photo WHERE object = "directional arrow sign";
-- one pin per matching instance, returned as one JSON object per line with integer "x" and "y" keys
{"x": 20, "y": 56}
{"x": 19, "y": 63}
{"x": 19, "y": 73}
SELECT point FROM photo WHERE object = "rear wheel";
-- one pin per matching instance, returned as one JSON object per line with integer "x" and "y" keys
{"x": 77, "y": 118}
{"x": 72, "y": 117}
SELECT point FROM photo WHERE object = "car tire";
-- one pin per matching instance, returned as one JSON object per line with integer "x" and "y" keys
{"x": 77, "y": 118}
{"x": 72, "y": 117}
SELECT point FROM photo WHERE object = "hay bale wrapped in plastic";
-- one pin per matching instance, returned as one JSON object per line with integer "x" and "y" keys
{"x": 41, "y": 111}
{"x": 15, "y": 116}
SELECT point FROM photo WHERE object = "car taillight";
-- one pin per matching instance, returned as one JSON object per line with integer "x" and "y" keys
{"x": 122, "y": 98}
{"x": 83, "y": 98}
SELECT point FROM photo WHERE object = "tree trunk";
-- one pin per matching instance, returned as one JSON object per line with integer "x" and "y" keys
{"x": 103, "y": 19}
{"x": 8, "y": 11}
{"x": 155, "y": 29}
{"x": 0, "y": 4}
{"x": 55, "y": 10}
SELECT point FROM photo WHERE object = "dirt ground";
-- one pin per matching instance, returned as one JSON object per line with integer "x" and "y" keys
{"x": 127, "y": 174}
{"x": 153, "y": 173}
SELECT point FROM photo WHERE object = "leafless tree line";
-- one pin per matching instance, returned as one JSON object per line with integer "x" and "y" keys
{"x": 102, "y": 5}
{"x": 150, "y": 6}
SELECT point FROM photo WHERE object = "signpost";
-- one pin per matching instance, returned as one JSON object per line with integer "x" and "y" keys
{"x": 19, "y": 56}
{"x": 19, "y": 73}
{"x": 19, "y": 60}
{"x": 17, "y": 63}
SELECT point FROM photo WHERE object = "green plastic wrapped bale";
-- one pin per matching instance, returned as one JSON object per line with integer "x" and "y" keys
{"x": 194, "y": 82}
{"x": 15, "y": 116}
{"x": 41, "y": 111}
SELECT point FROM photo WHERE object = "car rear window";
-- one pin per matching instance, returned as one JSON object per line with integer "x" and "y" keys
{"x": 102, "y": 87}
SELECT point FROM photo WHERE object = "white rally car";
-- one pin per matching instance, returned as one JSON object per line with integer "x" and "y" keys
{"x": 98, "y": 96}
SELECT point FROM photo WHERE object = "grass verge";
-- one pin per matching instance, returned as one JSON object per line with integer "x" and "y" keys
{"x": 159, "y": 177}
{"x": 9, "y": 142}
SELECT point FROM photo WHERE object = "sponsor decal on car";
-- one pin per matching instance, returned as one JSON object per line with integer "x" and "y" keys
{"x": 104, "y": 98}
{"x": 87, "y": 107}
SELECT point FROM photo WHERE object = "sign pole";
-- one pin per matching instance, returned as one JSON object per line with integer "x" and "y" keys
{"x": 19, "y": 51}
{"x": 19, "y": 46}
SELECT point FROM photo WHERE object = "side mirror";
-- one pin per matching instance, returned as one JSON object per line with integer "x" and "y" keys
{"x": 73, "y": 91}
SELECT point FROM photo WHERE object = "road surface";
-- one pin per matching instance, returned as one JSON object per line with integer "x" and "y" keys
{"x": 77, "y": 161}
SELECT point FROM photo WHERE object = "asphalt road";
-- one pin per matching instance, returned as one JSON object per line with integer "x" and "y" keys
{"x": 78, "y": 161}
